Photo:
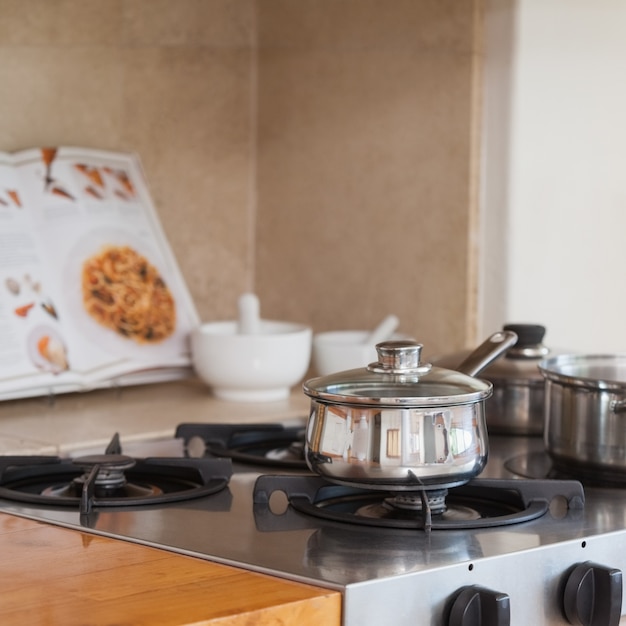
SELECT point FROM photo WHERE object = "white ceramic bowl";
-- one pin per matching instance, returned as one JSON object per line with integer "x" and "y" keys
{"x": 251, "y": 367}
{"x": 341, "y": 350}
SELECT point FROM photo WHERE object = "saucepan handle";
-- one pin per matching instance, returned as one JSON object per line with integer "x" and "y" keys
{"x": 487, "y": 352}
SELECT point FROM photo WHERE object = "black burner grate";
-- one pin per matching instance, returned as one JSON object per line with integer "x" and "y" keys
{"x": 109, "y": 480}
{"x": 481, "y": 503}
{"x": 268, "y": 445}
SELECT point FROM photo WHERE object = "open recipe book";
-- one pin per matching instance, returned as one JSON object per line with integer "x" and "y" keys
{"x": 90, "y": 292}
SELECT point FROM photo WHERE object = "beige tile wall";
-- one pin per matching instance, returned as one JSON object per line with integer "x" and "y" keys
{"x": 321, "y": 152}
{"x": 366, "y": 153}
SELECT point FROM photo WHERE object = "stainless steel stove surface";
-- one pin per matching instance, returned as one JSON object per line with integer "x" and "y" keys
{"x": 400, "y": 576}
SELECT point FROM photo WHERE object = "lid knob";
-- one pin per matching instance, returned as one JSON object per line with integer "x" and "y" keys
{"x": 529, "y": 341}
{"x": 399, "y": 357}
{"x": 527, "y": 334}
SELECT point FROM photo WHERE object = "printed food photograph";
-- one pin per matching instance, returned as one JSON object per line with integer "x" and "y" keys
{"x": 29, "y": 293}
{"x": 103, "y": 182}
{"x": 47, "y": 350}
{"x": 95, "y": 186}
{"x": 123, "y": 185}
{"x": 10, "y": 198}
{"x": 51, "y": 184}
{"x": 124, "y": 292}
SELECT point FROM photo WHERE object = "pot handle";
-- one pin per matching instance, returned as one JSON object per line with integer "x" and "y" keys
{"x": 618, "y": 406}
{"x": 487, "y": 352}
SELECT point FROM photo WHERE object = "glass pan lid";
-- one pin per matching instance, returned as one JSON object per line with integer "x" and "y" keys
{"x": 399, "y": 379}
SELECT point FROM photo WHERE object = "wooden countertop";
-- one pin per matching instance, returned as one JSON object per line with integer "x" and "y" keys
{"x": 56, "y": 576}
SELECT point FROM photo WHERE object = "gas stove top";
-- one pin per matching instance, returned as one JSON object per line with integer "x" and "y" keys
{"x": 405, "y": 573}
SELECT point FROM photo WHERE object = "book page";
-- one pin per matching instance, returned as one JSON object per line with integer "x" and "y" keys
{"x": 90, "y": 290}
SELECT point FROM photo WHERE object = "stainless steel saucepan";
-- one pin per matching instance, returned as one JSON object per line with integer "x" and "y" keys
{"x": 401, "y": 424}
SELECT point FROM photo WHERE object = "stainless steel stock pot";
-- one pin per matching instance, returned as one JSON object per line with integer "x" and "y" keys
{"x": 586, "y": 411}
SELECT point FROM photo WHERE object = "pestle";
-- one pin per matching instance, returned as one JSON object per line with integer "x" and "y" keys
{"x": 383, "y": 331}
{"x": 249, "y": 321}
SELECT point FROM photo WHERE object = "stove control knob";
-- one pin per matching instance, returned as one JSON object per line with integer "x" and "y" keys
{"x": 478, "y": 606}
{"x": 593, "y": 595}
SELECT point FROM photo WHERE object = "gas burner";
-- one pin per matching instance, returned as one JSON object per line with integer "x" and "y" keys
{"x": 539, "y": 464}
{"x": 403, "y": 505}
{"x": 109, "y": 480}
{"x": 108, "y": 473}
{"x": 270, "y": 445}
{"x": 481, "y": 503}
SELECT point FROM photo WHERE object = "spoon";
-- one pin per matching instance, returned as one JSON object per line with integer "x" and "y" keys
{"x": 249, "y": 319}
{"x": 383, "y": 331}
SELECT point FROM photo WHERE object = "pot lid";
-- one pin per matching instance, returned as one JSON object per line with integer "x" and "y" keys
{"x": 399, "y": 378}
{"x": 519, "y": 363}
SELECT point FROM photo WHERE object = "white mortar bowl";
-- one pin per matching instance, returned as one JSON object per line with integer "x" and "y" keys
{"x": 259, "y": 367}
{"x": 340, "y": 350}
